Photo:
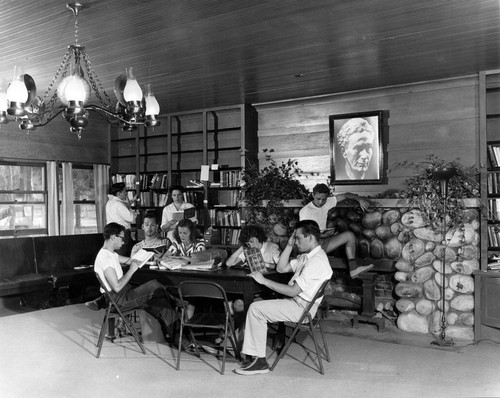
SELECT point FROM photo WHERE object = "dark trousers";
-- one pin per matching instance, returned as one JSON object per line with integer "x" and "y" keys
{"x": 152, "y": 297}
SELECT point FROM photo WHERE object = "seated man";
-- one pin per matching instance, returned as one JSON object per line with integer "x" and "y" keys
{"x": 330, "y": 239}
{"x": 311, "y": 269}
{"x": 152, "y": 296}
{"x": 152, "y": 240}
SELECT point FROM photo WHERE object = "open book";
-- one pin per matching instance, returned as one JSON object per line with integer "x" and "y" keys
{"x": 143, "y": 256}
{"x": 188, "y": 213}
{"x": 255, "y": 260}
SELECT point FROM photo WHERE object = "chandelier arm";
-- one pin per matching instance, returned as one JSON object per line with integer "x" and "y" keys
{"x": 97, "y": 108}
{"x": 49, "y": 119}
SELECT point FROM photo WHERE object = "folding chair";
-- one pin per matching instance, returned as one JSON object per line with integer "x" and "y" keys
{"x": 308, "y": 323}
{"x": 206, "y": 319}
{"x": 113, "y": 312}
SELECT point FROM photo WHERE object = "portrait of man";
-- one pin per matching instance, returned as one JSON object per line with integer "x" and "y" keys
{"x": 355, "y": 148}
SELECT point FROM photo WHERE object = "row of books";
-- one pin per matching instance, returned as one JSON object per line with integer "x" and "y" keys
{"x": 494, "y": 182}
{"x": 493, "y": 236}
{"x": 224, "y": 237}
{"x": 494, "y": 209}
{"x": 230, "y": 178}
{"x": 154, "y": 181}
{"x": 225, "y": 218}
{"x": 128, "y": 179}
{"x": 493, "y": 155}
{"x": 150, "y": 199}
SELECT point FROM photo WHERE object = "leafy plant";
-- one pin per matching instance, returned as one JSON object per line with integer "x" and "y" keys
{"x": 265, "y": 189}
{"x": 424, "y": 190}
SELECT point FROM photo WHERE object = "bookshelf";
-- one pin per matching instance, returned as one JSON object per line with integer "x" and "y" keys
{"x": 174, "y": 152}
{"x": 487, "y": 279}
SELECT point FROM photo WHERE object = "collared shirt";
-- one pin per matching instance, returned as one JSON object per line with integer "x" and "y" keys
{"x": 117, "y": 211}
{"x": 310, "y": 271}
{"x": 318, "y": 214}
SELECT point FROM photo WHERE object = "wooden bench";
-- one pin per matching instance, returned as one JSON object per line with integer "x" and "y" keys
{"x": 47, "y": 263}
{"x": 367, "y": 313}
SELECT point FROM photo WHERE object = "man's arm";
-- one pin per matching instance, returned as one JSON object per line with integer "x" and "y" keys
{"x": 363, "y": 203}
{"x": 284, "y": 261}
{"x": 118, "y": 284}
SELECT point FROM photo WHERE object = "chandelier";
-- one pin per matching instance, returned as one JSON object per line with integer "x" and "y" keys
{"x": 75, "y": 79}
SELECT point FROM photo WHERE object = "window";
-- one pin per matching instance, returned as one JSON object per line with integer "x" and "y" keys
{"x": 23, "y": 199}
{"x": 84, "y": 198}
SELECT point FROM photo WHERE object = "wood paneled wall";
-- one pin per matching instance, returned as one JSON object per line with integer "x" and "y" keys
{"x": 439, "y": 117}
{"x": 55, "y": 142}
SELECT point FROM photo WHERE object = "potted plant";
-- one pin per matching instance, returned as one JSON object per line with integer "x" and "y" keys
{"x": 267, "y": 191}
{"x": 439, "y": 188}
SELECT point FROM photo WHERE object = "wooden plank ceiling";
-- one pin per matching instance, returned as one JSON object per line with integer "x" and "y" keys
{"x": 204, "y": 53}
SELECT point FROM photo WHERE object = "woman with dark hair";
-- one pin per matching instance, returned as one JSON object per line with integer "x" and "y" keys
{"x": 185, "y": 240}
{"x": 255, "y": 236}
{"x": 178, "y": 205}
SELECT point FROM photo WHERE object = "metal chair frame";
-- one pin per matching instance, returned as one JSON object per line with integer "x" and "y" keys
{"x": 308, "y": 323}
{"x": 113, "y": 311}
{"x": 206, "y": 320}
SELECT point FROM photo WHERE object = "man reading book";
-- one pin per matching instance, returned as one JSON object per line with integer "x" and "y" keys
{"x": 151, "y": 296}
{"x": 152, "y": 240}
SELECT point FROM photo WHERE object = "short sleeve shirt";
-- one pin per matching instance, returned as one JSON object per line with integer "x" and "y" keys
{"x": 318, "y": 214}
{"x": 310, "y": 271}
{"x": 104, "y": 260}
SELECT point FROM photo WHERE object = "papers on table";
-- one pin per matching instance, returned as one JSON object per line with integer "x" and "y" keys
{"x": 176, "y": 263}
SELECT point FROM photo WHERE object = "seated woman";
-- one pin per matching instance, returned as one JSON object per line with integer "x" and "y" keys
{"x": 185, "y": 242}
{"x": 173, "y": 210}
{"x": 255, "y": 236}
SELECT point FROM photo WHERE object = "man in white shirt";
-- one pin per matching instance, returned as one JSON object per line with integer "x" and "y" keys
{"x": 330, "y": 239}
{"x": 310, "y": 269}
{"x": 119, "y": 210}
{"x": 152, "y": 296}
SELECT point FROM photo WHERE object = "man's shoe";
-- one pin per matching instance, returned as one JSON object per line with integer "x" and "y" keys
{"x": 247, "y": 362}
{"x": 258, "y": 366}
{"x": 92, "y": 305}
{"x": 97, "y": 304}
{"x": 354, "y": 274}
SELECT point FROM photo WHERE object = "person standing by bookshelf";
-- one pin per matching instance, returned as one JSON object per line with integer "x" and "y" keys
{"x": 119, "y": 210}
{"x": 174, "y": 212}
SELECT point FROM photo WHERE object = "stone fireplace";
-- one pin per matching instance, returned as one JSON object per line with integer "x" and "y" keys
{"x": 398, "y": 233}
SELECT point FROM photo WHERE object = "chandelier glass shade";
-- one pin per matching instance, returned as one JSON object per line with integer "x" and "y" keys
{"x": 69, "y": 92}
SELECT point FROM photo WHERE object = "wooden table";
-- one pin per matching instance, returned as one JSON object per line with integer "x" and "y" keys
{"x": 234, "y": 281}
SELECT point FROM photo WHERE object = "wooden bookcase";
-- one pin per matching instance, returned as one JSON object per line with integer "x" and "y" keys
{"x": 176, "y": 150}
{"x": 487, "y": 282}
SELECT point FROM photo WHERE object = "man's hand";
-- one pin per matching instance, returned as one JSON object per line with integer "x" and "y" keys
{"x": 258, "y": 277}
{"x": 134, "y": 265}
{"x": 364, "y": 204}
{"x": 328, "y": 232}
{"x": 291, "y": 240}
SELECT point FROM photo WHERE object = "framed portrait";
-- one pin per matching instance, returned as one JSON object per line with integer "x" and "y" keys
{"x": 357, "y": 148}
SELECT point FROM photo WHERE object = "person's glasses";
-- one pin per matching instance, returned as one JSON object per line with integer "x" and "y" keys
{"x": 120, "y": 236}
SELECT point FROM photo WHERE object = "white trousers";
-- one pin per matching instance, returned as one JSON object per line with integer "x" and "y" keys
{"x": 260, "y": 313}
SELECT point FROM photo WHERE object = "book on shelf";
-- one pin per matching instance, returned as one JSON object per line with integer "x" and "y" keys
{"x": 494, "y": 154}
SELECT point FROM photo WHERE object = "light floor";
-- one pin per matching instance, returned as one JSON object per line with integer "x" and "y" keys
{"x": 51, "y": 353}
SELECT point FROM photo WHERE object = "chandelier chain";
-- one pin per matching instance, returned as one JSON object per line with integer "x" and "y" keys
{"x": 95, "y": 82}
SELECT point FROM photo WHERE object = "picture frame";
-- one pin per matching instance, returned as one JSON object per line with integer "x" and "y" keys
{"x": 357, "y": 148}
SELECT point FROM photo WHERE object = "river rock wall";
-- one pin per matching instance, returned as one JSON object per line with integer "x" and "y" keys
{"x": 402, "y": 235}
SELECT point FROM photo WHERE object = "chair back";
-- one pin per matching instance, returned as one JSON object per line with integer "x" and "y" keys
{"x": 204, "y": 289}
{"x": 106, "y": 293}
{"x": 309, "y": 306}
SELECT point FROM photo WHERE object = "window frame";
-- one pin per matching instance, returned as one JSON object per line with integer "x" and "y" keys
{"x": 26, "y": 231}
